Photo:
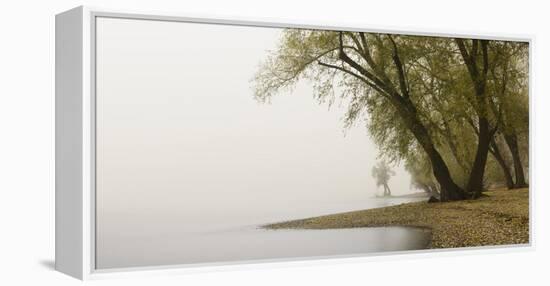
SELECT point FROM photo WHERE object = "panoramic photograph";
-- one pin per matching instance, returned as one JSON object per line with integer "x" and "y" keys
{"x": 220, "y": 143}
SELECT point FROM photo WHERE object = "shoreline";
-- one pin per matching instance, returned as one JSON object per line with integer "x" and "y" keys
{"x": 500, "y": 218}
{"x": 417, "y": 195}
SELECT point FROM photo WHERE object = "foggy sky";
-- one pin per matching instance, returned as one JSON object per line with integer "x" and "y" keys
{"x": 181, "y": 140}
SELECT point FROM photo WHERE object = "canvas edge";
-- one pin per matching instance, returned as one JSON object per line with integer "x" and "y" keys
{"x": 73, "y": 151}
{"x": 69, "y": 203}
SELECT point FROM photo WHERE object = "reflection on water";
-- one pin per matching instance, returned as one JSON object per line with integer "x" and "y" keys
{"x": 245, "y": 240}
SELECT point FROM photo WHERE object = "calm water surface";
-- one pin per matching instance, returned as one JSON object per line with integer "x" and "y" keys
{"x": 246, "y": 240}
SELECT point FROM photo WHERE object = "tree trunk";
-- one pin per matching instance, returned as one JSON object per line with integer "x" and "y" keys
{"x": 475, "y": 182}
{"x": 450, "y": 191}
{"x": 500, "y": 160}
{"x": 454, "y": 149}
{"x": 387, "y": 191}
{"x": 400, "y": 99}
{"x": 478, "y": 73}
{"x": 512, "y": 142}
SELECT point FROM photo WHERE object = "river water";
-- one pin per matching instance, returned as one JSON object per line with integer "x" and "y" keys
{"x": 245, "y": 240}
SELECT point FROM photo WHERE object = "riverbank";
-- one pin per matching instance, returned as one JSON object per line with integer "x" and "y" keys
{"x": 500, "y": 218}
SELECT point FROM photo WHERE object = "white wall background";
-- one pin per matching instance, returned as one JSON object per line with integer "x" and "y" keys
{"x": 27, "y": 142}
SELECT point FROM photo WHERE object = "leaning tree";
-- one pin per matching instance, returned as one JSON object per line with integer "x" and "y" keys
{"x": 369, "y": 67}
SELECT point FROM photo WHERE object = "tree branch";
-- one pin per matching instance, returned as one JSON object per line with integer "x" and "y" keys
{"x": 366, "y": 81}
{"x": 345, "y": 58}
{"x": 399, "y": 66}
{"x": 357, "y": 43}
{"x": 366, "y": 50}
{"x": 467, "y": 57}
{"x": 484, "y": 51}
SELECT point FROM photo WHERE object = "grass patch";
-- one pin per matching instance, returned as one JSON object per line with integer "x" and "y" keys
{"x": 500, "y": 218}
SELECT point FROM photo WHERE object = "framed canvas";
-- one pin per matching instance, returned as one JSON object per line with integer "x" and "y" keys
{"x": 197, "y": 142}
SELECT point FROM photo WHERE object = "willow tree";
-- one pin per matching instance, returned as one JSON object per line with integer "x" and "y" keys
{"x": 477, "y": 83}
{"x": 370, "y": 68}
{"x": 509, "y": 79}
{"x": 478, "y": 60}
{"x": 485, "y": 80}
{"x": 498, "y": 73}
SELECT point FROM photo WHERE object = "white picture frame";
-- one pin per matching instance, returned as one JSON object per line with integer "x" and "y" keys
{"x": 75, "y": 133}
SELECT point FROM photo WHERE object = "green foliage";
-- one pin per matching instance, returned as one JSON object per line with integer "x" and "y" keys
{"x": 427, "y": 73}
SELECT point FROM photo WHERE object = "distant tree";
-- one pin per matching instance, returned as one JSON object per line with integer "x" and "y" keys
{"x": 422, "y": 178}
{"x": 382, "y": 173}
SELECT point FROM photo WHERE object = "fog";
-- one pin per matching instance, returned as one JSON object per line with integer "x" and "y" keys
{"x": 182, "y": 144}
